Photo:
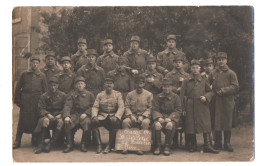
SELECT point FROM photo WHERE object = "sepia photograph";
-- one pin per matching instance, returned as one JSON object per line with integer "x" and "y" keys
{"x": 133, "y": 84}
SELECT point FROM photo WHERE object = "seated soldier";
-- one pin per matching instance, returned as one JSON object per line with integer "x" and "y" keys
{"x": 138, "y": 107}
{"x": 76, "y": 114}
{"x": 107, "y": 112}
{"x": 50, "y": 108}
{"x": 166, "y": 115}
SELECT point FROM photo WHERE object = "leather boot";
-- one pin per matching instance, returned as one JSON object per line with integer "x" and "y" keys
{"x": 69, "y": 145}
{"x": 18, "y": 138}
{"x": 227, "y": 145}
{"x": 84, "y": 139}
{"x": 167, "y": 150}
{"x": 207, "y": 146}
{"x": 192, "y": 146}
{"x": 40, "y": 147}
{"x": 96, "y": 135}
{"x": 157, "y": 149}
{"x": 55, "y": 137}
{"x": 175, "y": 141}
{"x": 112, "y": 136}
{"x": 186, "y": 137}
{"x": 218, "y": 141}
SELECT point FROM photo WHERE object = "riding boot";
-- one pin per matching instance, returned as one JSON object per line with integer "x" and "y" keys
{"x": 218, "y": 141}
{"x": 18, "y": 138}
{"x": 207, "y": 146}
{"x": 192, "y": 145}
{"x": 55, "y": 138}
{"x": 167, "y": 150}
{"x": 84, "y": 139}
{"x": 157, "y": 149}
{"x": 96, "y": 135}
{"x": 227, "y": 145}
{"x": 40, "y": 147}
{"x": 112, "y": 136}
{"x": 69, "y": 145}
{"x": 175, "y": 141}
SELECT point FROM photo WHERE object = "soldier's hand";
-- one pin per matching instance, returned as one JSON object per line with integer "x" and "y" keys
{"x": 165, "y": 72}
{"x": 179, "y": 89}
{"x": 50, "y": 116}
{"x": 132, "y": 117}
{"x": 95, "y": 119}
{"x": 67, "y": 120}
{"x": 140, "y": 119}
{"x": 203, "y": 99}
{"x": 58, "y": 116}
{"x": 134, "y": 71}
{"x": 166, "y": 120}
{"x": 181, "y": 79}
{"x": 219, "y": 93}
{"x": 150, "y": 79}
{"x": 161, "y": 120}
{"x": 83, "y": 116}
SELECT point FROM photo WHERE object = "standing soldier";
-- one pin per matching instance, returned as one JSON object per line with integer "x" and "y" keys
{"x": 123, "y": 79}
{"x": 153, "y": 79}
{"x": 108, "y": 60}
{"x": 166, "y": 57}
{"x": 225, "y": 86}
{"x": 31, "y": 85}
{"x": 136, "y": 57}
{"x": 77, "y": 114}
{"x": 50, "y": 110}
{"x": 80, "y": 57}
{"x": 196, "y": 94}
{"x": 107, "y": 112}
{"x": 66, "y": 77}
{"x": 166, "y": 115}
{"x": 93, "y": 74}
{"x": 138, "y": 107}
{"x": 50, "y": 69}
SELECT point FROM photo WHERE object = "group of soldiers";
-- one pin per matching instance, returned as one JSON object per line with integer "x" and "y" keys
{"x": 134, "y": 90}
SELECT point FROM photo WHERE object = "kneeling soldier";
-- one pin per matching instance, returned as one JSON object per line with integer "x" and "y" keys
{"x": 76, "y": 113}
{"x": 50, "y": 108}
{"x": 107, "y": 112}
{"x": 138, "y": 107}
{"x": 166, "y": 115}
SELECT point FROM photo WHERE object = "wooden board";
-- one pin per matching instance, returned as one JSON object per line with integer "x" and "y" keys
{"x": 133, "y": 140}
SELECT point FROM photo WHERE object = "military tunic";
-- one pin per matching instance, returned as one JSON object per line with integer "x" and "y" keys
{"x": 66, "y": 81}
{"x": 76, "y": 104}
{"x": 123, "y": 81}
{"x": 154, "y": 87}
{"x": 225, "y": 80}
{"x": 136, "y": 60}
{"x": 29, "y": 88}
{"x": 94, "y": 76}
{"x": 78, "y": 60}
{"x": 108, "y": 61}
{"x": 197, "y": 113}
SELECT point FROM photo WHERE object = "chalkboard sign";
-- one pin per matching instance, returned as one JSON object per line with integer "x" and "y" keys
{"x": 133, "y": 140}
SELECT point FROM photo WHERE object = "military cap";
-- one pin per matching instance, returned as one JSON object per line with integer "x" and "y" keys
{"x": 139, "y": 78}
{"x": 171, "y": 37}
{"x": 108, "y": 41}
{"x": 109, "y": 79}
{"x": 208, "y": 61}
{"x": 50, "y": 53}
{"x": 79, "y": 79}
{"x": 53, "y": 79}
{"x": 82, "y": 41}
{"x": 221, "y": 55}
{"x": 91, "y": 52}
{"x": 135, "y": 38}
{"x": 151, "y": 58}
{"x": 178, "y": 57}
{"x": 195, "y": 62}
{"x": 34, "y": 57}
{"x": 166, "y": 81}
{"x": 121, "y": 60}
{"x": 65, "y": 58}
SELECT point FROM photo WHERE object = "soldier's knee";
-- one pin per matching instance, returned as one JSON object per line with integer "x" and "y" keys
{"x": 126, "y": 123}
{"x": 60, "y": 124}
{"x": 157, "y": 126}
{"x": 145, "y": 123}
{"x": 46, "y": 122}
{"x": 169, "y": 126}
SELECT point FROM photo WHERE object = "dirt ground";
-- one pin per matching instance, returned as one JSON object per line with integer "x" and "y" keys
{"x": 242, "y": 141}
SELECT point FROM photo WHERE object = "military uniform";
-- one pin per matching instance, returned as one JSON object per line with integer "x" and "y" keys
{"x": 165, "y": 106}
{"x": 79, "y": 58}
{"x": 50, "y": 103}
{"x": 50, "y": 71}
{"x": 166, "y": 57}
{"x": 29, "y": 88}
{"x": 66, "y": 78}
{"x": 197, "y": 112}
{"x": 107, "y": 111}
{"x": 123, "y": 79}
{"x": 136, "y": 59}
{"x": 78, "y": 103}
{"x": 94, "y": 76}
{"x": 107, "y": 60}
{"x": 225, "y": 86}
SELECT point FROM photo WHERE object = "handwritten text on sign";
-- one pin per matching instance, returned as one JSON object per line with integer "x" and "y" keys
{"x": 133, "y": 140}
